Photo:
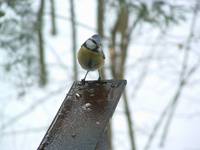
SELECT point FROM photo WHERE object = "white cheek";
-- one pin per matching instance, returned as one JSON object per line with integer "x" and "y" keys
{"x": 90, "y": 44}
{"x": 100, "y": 49}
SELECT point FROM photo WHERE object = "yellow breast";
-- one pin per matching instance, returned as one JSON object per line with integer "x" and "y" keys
{"x": 89, "y": 59}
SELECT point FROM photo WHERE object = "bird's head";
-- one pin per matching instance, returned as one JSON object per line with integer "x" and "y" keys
{"x": 93, "y": 43}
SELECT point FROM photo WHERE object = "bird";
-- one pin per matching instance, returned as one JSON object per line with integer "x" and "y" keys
{"x": 91, "y": 56}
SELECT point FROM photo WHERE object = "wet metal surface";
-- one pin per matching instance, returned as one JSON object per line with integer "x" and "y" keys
{"x": 83, "y": 116}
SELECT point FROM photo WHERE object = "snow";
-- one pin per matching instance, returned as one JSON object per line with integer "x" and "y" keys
{"x": 36, "y": 110}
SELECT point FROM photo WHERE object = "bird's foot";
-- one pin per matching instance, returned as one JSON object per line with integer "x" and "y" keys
{"x": 83, "y": 81}
{"x": 99, "y": 79}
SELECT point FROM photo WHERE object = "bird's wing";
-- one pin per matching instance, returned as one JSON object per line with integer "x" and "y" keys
{"x": 102, "y": 53}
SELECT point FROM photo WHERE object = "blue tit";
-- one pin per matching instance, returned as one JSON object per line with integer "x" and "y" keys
{"x": 91, "y": 56}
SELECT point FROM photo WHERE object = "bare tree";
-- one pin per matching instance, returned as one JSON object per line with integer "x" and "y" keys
{"x": 53, "y": 17}
{"x": 41, "y": 49}
{"x": 100, "y": 29}
{"x": 118, "y": 57}
{"x": 100, "y": 22}
{"x": 73, "y": 26}
{"x": 185, "y": 74}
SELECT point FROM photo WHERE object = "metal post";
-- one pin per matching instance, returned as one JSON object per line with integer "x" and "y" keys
{"x": 83, "y": 116}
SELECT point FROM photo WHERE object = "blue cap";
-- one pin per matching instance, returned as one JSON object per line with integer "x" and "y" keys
{"x": 97, "y": 39}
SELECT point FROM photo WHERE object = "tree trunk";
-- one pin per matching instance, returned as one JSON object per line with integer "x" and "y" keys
{"x": 100, "y": 23}
{"x": 118, "y": 55}
{"x": 41, "y": 51}
{"x": 53, "y": 18}
{"x": 73, "y": 26}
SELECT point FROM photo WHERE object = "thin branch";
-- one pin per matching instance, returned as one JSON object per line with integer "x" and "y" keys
{"x": 170, "y": 108}
{"x": 171, "y": 112}
{"x": 53, "y": 20}
{"x": 129, "y": 121}
{"x": 25, "y": 131}
{"x": 100, "y": 29}
{"x": 145, "y": 69}
{"x": 118, "y": 59}
{"x": 73, "y": 27}
{"x": 55, "y": 54}
{"x": 41, "y": 49}
{"x": 28, "y": 110}
{"x": 100, "y": 26}
{"x": 156, "y": 127}
{"x": 77, "y": 23}
{"x": 183, "y": 78}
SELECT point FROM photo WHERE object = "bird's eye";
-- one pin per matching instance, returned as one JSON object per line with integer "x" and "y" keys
{"x": 90, "y": 44}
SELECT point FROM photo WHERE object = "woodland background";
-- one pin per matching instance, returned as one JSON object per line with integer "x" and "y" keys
{"x": 154, "y": 44}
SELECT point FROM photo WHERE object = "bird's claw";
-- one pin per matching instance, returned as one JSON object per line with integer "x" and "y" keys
{"x": 83, "y": 81}
{"x": 99, "y": 79}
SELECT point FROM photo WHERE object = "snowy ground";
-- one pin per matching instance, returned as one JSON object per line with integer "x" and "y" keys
{"x": 27, "y": 119}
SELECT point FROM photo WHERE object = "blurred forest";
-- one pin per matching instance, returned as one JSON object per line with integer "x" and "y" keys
{"x": 154, "y": 44}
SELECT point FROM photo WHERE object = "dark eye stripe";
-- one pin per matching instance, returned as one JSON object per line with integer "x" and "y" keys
{"x": 94, "y": 42}
{"x": 94, "y": 49}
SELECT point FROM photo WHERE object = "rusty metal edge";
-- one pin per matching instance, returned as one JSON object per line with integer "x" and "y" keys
{"x": 42, "y": 143}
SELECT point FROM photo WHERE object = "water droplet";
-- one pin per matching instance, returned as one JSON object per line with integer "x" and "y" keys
{"x": 112, "y": 85}
{"x": 89, "y": 109}
{"x": 91, "y": 95}
{"x": 67, "y": 112}
{"x": 45, "y": 141}
{"x": 60, "y": 113}
{"x": 73, "y": 135}
{"x": 80, "y": 88}
{"x": 91, "y": 90}
{"x": 78, "y": 95}
{"x": 42, "y": 146}
{"x": 47, "y": 136}
{"x": 84, "y": 108}
{"x": 69, "y": 96}
{"x": 87, "y": 106}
